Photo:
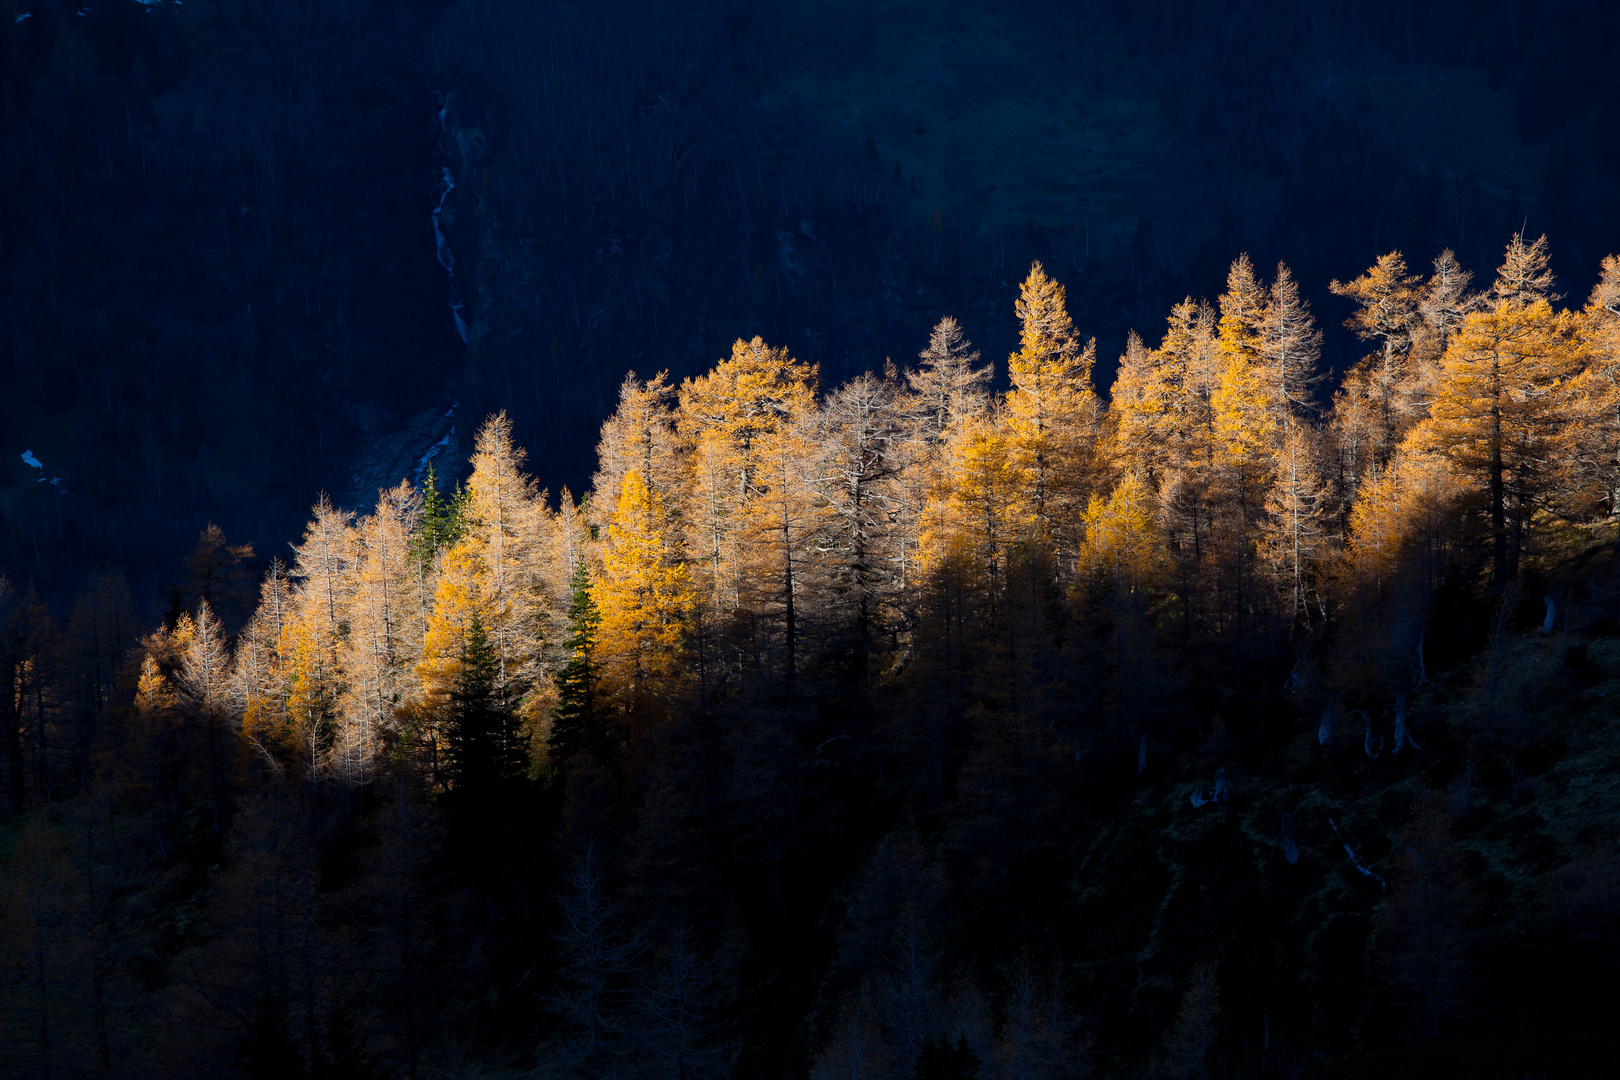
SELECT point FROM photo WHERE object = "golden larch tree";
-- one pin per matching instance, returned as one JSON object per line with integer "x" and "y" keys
{"x": 644, "y": 596}
{"x": 1122, "y": 543}
{"x": 1500, "y": 414}
{"x": 1244, "y": 409}
{"x": 1051, "y": 412}
{"x": 1594, "y": 433}
{"x": 1387, "y": 313}
{"x": 640, "y": 435}
{"x": 323, "y": 576}
{"x": 504, "y": 543}
{"x": 726, "y": 419}
{"x": 380, "y": 650}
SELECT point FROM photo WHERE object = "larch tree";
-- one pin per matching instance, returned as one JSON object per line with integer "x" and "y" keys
{"x": 1289, "y": 347}
{"x": 323, "y": 573}
{"x": 1260, "y": 343}
{"x": 782, "y": 517}
{"x": 1122, "y": 543}
{"x": 458, "y": 599}
{"x": 1295, "y": 537}
{"x": 219, "y": 573}
{"x": 1244, "y": 406}
{"x": 1524, "y": 279}
{"x": 948, "y": 386}
{"x": 640, "y": 435}
{"x": 1161, "y": 407}
{"x": 945, "y": 392}
{"x": 1387, "y": 300}
{"x": 1443, "y": 303}
{"x": 645, "y": 597}
{"x": 749, "y": 396}
{"x": 1402, "y": 534}
{"x": 1122, "y": 563}
{"x": 260, "y": 671}
{"x": 1051, "y": 413}
{"x": 1358, "y": 432}
{"x": 1165, "y": 429}
{"x": 203, "y": 685}
{"x": 725, "y": 419}
{"x": 504, "y": 536}
{"x": 381, "y": 648}
{"x": 714, "y": 523}
{"x": 1242, "y": 309}
{"x": 861, "y": 446}
{"x": 1594, "y": 435}
{"x": 313, "y": 685}
{"x": 458, "y": 596}
{"x": 1500, "y": 414}
{"x": 1139, "y": 407}
{"x": 978, "y": 515}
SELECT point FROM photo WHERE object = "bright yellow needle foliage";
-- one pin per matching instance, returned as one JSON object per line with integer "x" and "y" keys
{"x": 981, "y": 505}
{"x": 747, "y": 397}
{"x": 1051, "y": 410}
{"x": 1122, "y": 543}
{"x": 728, "y": 419}
{"x": 1500, "y": 410}
{"x": 456, "y": 599}
{"x": 645, "y": 594}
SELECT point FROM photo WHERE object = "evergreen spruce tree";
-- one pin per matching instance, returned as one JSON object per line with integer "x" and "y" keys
{"x": 434, "y": 527}
{"x": 574, "y": 721}
{"x": 485, "y": 746}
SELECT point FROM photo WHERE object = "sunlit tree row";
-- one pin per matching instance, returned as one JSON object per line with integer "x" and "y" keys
{"x": 748, "y": 535}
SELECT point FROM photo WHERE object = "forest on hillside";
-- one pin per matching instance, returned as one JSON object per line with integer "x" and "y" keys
{"x": 1242, "y": 723}
{"x": 240, "y": 233}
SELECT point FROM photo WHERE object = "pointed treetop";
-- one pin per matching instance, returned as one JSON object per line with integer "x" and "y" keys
{"x": 949, "y": 385}
{"x": 1244, "y": 297}
{"x": 1047, "y": 336}
{"x": 1523, "y": 278}
{"x": 748, "y": 395}
{"x": 1446, "y": 298}
{"x": 1605, "y": 296}
{"x": 1387, "y": 302}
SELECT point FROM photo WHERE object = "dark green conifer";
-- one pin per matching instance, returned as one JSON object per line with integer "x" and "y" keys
{"x": 485, "y": 745}
{"x": 574, "y": 722}
{"x": 442, "y": 521}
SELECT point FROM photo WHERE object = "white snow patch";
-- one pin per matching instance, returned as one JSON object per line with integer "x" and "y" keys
{"x": 461, "y": 325}
{"x": 31, "y": 461}
{"x": 24, "y": 17}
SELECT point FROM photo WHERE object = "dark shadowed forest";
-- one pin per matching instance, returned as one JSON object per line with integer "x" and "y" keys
{"x": 872, "y": 541}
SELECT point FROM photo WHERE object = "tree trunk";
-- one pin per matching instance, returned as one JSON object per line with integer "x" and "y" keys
{"x": 1499, "y": 540}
